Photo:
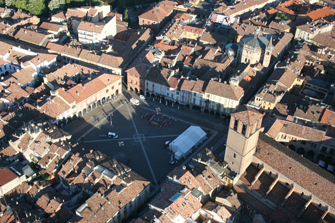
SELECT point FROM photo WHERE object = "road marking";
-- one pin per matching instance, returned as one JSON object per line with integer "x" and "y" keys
{"x": 223, "y": 139}
{"x": 145, "y": 154}
{"x": 132, "y": 138}
{"x": 151, "y": 137}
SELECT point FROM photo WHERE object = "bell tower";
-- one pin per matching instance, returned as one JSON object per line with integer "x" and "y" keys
{"x": 243, "y": 133}
{"x": 267, "y": 54}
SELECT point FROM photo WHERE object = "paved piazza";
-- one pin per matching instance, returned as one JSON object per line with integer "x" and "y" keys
{"x": 141, "y": 145}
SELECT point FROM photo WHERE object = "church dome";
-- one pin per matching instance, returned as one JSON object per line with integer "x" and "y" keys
{"x": 255, "y": 41}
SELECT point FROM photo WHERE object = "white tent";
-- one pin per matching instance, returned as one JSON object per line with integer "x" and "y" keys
{"x": 184, "y": 143}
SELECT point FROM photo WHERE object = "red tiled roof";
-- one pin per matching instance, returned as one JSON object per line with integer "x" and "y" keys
{"x": 159, "y": 12}
{"x": 320, "y": 13}
{"x": 51, "y": 26}
{"x": 54, "y": 107}
{"x": 30, "y": 36}
{"x": 90, "y": 26}
{"x": 59, "y": 15}
{"x": 224, "y": 90}
{"x": 298, "y": 169}
{"x": 6, "y": 176}
{"x": 247, "y": 115}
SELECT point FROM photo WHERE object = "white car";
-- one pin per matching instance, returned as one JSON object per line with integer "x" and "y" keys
{"x": 134, "y": 101}
{"x": 142, "y": 97}
{"x": 112, "y": 135}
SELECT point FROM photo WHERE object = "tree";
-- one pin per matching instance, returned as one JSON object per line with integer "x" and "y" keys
{"x": 126, "y": 16}
{"x": 37, "y": 7}
{"x": 21, "y": 4}
{"x": 2, "y": 3}
{"x": 56, "y": 5}
{"x": 10, "y": 2}
{"x": 121, "y": 4}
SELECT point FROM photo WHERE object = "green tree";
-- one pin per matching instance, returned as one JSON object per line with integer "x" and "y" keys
{"x": 56, "y": 5}
{"x": 2, "y": 3}
{"x": 37, "y": 7}
{"x": 121, "y": 4}
{"x": 126, "y": 16}
{"x": 9, "y": 2}
{"x": 21, "y": 4}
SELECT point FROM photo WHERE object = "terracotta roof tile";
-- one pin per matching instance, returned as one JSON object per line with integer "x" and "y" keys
{"x": 51, "y": 26}
{"x": 16, "y": 93}
{"x": 75, "y": 13}
{"x": 53, "y": 107}
{"x": 20, "y": 15}
{"x": 187, "y": 85}
{"x": 59, "y": 15}
{"x": 298, "y": 169}
{"x": 32, "y": 37}
{"x": 212, "y": 38}
{"x": 159, "y": 75}
{"x": 247, "y": 115}
{"x": 22, "y": 77}
{"x": 158, "y": 12}
{"x": 224, "y": 90}
{"x": 91, "y": 27}
{"x": 6, "y": 176}
{"x": 320, "y": 13}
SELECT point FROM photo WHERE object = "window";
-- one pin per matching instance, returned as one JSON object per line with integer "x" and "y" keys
{"x": 283, "y": 136}
{"x": 244, "y": 129}
{"x": 234, "y": 155}
{"x": 236, "y": 124}
{"x": 119, "y": 83}
{"x": 331, "y": 152}
{"x": 194, "y": 94}
{"x": 324, "y": 149}
{"x": 112, "y": 87}
{"x": 107, "y": 90}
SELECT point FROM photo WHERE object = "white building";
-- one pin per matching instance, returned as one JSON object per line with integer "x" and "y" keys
{"x": 89, "y": 32}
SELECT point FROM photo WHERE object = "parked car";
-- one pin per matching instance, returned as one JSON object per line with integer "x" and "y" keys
{"x": 134, "y": 101}
{"x": 142, "y": 97}
{"x": 112, "y": 135}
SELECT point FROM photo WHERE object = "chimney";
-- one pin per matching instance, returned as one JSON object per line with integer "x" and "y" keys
{"x": 174, "y": 177}
{"x": 184, "y": 167}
